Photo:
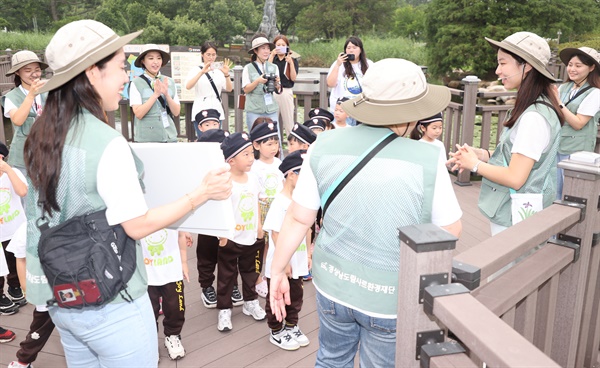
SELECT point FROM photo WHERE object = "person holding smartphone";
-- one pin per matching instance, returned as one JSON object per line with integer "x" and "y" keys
{"x": 347, "y": 71}
{"x": 281, "y": 56}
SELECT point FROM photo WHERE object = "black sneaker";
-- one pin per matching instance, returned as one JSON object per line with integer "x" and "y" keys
{"x": 209, "y": 297}
{"x": 16, "y": 295}
{"x": 236, "y": 297}
{"x": 7, "y": 307}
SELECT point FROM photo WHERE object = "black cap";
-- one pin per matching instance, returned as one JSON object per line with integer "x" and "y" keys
{"x": 342, "y": 99}
{"x": 234, "y": 144}
{"x": 263, "y": 130}
{"x": 213, "y": 135}
{"x": 431, "y": 119}
{"x": 316, "y": 123}
{"x": 207, "y": 115}
{"x": 303, "y": 134}
{"x": 292, "y": 161}
{"x": 320, "y": 112}
{"x": 3, "y": 149}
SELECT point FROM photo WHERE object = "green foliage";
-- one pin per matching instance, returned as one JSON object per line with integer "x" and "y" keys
{"x": 25, "y": 41}
{"x": 287, "y": 12}
{"x": 455, "y": 29}
{"x": 409, "y": 22}
{"x": 225, "y": 18}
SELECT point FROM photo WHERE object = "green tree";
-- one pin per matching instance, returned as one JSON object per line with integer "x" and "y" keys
{"x": 225, "y": 18}
{"x": 409, "y": 21}
{"x": 455, "y": 29}
{"x": 287, "y": 13}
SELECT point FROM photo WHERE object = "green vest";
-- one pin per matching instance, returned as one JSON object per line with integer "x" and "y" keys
{"x": 494, "y": 199}
{"x": 357, "y": 254}
{"x": 17, "y": 145}
{"x": 255, "y": 100}
{"x": 77, "y": 195}
{"x": 572, "y": 140}
{"x": 150, "y": 128}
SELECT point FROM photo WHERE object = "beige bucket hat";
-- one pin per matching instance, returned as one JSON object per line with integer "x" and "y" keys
{"x": 151, "y": 47}
{"x": 22, "y": 58}
{"x": 566, "y": 55}
{"x": 394, "y": 91}
{"x": 79, "y": 45}
{"x": 258, "y": 42}
{"x": 530, "y": 47}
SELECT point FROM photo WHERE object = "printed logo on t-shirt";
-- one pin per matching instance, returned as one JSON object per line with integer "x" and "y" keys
{"x": 351, "y": 85}
{"x": 5, "y": 200}
{"x": 246, "y": 207}
{"x": 271, "y": 184}
{"x": 155, "y": 244}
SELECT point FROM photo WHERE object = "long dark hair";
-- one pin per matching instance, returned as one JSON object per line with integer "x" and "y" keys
{"x": 44, "y": 146}
{"x": 17, "y": 81}
{"x": 533, "y": 85}
{"x": 416, "y": 133}
{"x": 593, "y": 78}
{"x": 348, "y": 70}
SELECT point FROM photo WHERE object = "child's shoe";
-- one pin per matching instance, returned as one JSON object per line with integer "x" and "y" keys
{"x": 262, "y": 289}
{"x": 224, "y": 323}
{"x": 16, "y": 364}
{"x": 284, "y": 340}
{"x": 6, "y": 335}
{"x": 236, "y": 297}
{"x": 16, "y": 296}
{"x": 253, "y": 308}
{"x": 174, "y": 347}
{"x": 298, "y": 335}
{"x": 7, "y": 307}
{"x": 209, "y": 297}
{"x": 307, "y": 277}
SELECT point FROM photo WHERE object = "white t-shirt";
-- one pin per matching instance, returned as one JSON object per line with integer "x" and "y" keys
{"x": 438, "y": 143}
{"x": 346, "y": 87}
{"x": 12, "y": 214}
{"x": 162, "y": 257}
{"x": 135, "y": 98}
{"x": 204, "y": 94}
{"x": 269, "y": 177}
{"x": 118, "y": 184}
{"x": 445, "y": 209}
{"x": 3, "y": 266}
{"x": 244, "y": 199}
{"x": 273, "y": 222}
{"x": 531, "y": 137}
{"x": 9, "y": 105}
{"x": 590, "y": 104}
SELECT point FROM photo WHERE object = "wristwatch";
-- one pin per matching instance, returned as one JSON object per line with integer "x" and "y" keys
{"x": 476, "y": 167}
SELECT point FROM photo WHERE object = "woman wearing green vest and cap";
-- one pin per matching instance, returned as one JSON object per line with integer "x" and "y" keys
{"x": 153, "y": 98}
{"x": 24, "y": 103}
{"x": 580, "y": 98}
{"x": 524, "y": 162}
{"x": 78, "y": 165}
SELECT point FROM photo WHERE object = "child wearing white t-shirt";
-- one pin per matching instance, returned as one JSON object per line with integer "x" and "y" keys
{"x": 165, "y": 257}
{"x": 287, "y": 336}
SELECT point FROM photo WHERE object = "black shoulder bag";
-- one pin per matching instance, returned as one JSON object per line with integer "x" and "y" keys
{"x": 87, "y": 262}
{"x": 212, "y": 83}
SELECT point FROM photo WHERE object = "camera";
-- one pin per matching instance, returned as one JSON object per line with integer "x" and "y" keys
{"x": 350, "y": 57}
{"x": 216, "y": 65}
{"x": 270, "y": 85}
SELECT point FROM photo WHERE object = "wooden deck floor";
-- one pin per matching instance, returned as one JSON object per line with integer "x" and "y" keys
{"x": 247, "y": 345}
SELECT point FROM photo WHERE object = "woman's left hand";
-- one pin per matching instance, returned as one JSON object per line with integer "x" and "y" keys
{"x": 225, "y": 68}
{"x": 289, "y": 60}
{"x": 464, "y": 158}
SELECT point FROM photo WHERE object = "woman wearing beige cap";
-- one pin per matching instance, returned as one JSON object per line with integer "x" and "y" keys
{"x": 523, "y": 166}
{"x": 153, "y": 98}
{"x": 580, "y": 97}
{"x": 24, "y": 103}
{"x": 78, "y": 164}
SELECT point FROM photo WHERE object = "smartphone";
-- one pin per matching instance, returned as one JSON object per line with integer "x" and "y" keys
{"x": 350, "y": 57}
{"x": 216, "y": 65}
{"x": 282, "y": 49}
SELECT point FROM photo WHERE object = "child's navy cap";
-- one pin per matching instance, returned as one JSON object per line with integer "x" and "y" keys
{"x": 303, "y": 134}
{"x": 234, "y": 144}
{"x": 207, "y": 115}
{"x": 431, "y": 119}
{"x": 320, "y": 112}
{"x": 3, "y": 149}
{"x": 316, "y": 123}
{"x": 292, "y": 161}
{"x": 342, "y": 99}
{"x": 263, "y": 130}
{"x": 213, "y": 135}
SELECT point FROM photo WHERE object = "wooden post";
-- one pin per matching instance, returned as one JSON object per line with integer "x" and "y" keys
{"x": 425, "y": 260}
{"x": 468, "y": 124}
{"x": 576, "y": 288}
{"x": 237, "y": 90}
{"x": 323, "y": 98}
{"x": 190, "y": 132}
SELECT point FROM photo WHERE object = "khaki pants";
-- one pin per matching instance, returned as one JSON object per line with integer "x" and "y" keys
{"x": 285, "y": 100}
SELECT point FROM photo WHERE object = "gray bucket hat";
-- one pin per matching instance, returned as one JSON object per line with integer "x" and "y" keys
{"x": 530, "y": 47}
{"x": 566, "y": 55}
{"x": 151, "y": 47}
{"x": 394, "y": 91}
{"x": 22, "y": 58}
{"x": 79, "y": 45}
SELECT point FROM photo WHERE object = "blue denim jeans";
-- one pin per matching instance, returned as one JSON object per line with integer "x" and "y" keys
{"x": 252, "y": 116}
{"x": 343, "y": 331}
{"x": 114, "y": 335}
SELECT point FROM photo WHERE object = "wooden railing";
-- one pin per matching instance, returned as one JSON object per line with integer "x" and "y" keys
{"x": 526, "y": 297}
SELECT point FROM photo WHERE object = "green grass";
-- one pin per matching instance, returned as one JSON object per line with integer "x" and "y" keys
{"x": 24, "y": 41}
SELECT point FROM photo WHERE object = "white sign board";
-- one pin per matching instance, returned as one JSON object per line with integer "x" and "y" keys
{"x": 173, "y": 169}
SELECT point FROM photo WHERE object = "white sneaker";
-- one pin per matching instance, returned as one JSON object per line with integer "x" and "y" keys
{"x": 224, "y": 323}
{"x": 284, "y": 340}
{"x": 174, "y": 347}
{"x": 253, "y": 308}
{"x": 298, "y": 335}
